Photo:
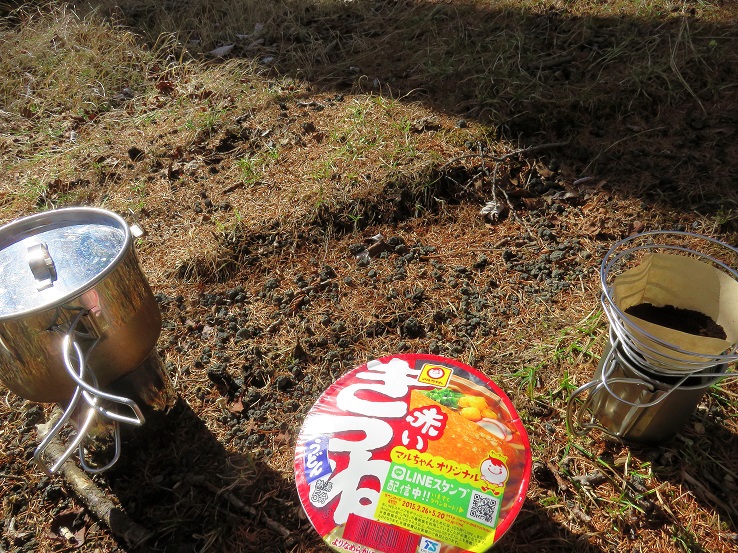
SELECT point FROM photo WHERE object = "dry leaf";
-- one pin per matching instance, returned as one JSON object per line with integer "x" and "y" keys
{"x": 532, "y": 203}
{"x": 600, "y": 226}
{"x": 635, "y": 227}
{"x": 593, "y": 227}
{"x": 222, "y": 51}
{"x": 61, "y": 528}
{"x": 493, "y": 211}
{"x": 297, "y": 303}
{"x": 375, "y": 245}
{"x": 544, "y": 171}
{"x": 425, "y": 124}
{"x": 236, "y": 406}
{"x": 565, "y": 195}
{"x": 165, "y": 87}
{"x": 283, "y": 438}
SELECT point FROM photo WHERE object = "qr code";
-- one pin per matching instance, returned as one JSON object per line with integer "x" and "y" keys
{"x": 483, "y": 508}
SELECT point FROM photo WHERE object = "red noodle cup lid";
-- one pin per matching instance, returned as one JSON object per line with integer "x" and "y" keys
{"x": 412, "y": 454}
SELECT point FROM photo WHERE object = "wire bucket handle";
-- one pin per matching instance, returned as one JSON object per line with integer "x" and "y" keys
{"x": 575, "y": 421}
{"x": 609, "y": 367}
{"x": 606, "y": 383}
{"x": 662, "y": 356}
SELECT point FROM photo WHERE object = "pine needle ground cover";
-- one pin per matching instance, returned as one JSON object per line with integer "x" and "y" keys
{"x": 324, "y": 183}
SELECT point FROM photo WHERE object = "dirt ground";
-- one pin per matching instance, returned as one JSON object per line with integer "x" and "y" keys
{"x": 480, "y": 239}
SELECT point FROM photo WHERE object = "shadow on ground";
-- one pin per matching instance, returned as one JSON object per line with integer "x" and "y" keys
{"x": 647, "y": 102}
{"x": 535, "y": 531}
{"x": 704, "y": 463}
{"x": 176, "y": 479}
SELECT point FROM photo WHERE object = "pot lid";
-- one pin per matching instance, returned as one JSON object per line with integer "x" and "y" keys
{"x": 412, "y": 453}
{"x": 50, "y": 257}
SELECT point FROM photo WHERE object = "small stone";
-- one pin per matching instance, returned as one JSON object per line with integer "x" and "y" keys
{"x": 327, "y": 272}
{"x": 356, "y": 248}
{"x": 412, "y": 328}
{"x": 136, "y": 154}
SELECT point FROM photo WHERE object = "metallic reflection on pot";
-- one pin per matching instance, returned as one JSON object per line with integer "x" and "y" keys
{"x": 630, "y": 403}
{"x": 122, "y": 314}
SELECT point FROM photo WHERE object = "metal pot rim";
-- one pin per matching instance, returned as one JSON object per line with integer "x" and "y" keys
{"x": 58, "y": 218}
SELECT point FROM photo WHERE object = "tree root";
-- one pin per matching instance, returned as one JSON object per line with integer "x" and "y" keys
{"x": 95, "y": 499}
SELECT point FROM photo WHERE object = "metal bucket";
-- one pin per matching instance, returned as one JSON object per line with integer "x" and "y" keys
{"x": 650, "y": 379}
{"x": 631, "y": 403}
{"x": 702, "y": 253}
{"x": 62, "y": 265}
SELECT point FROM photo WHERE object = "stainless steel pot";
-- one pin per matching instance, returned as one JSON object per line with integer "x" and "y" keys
{"x": 75, "y": 264}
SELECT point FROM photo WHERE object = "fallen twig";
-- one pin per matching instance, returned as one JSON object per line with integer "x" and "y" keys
{"x": 508, "y": 155}
{"x": 592, "y": 479}
{"x": 273, "y": 525}
{"x": 114, "y": 517}
{"x": 560, "y": 482}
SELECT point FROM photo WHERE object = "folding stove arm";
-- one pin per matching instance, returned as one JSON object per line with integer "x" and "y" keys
{"x": 94, "y": 398}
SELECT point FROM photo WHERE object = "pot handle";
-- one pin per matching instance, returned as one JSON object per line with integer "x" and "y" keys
{"x": 92, "y": 396}
{"x": 42, "y": 266}
{"x": 575, "y": 423}
{"x": 609, "y": 368}
{"x": 135, "y": 227}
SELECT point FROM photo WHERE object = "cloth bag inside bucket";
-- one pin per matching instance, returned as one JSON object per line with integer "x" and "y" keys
{"x": 683, "y": 282}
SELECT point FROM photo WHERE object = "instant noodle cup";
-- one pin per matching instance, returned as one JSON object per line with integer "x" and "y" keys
{"x": 412, "y": 454}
